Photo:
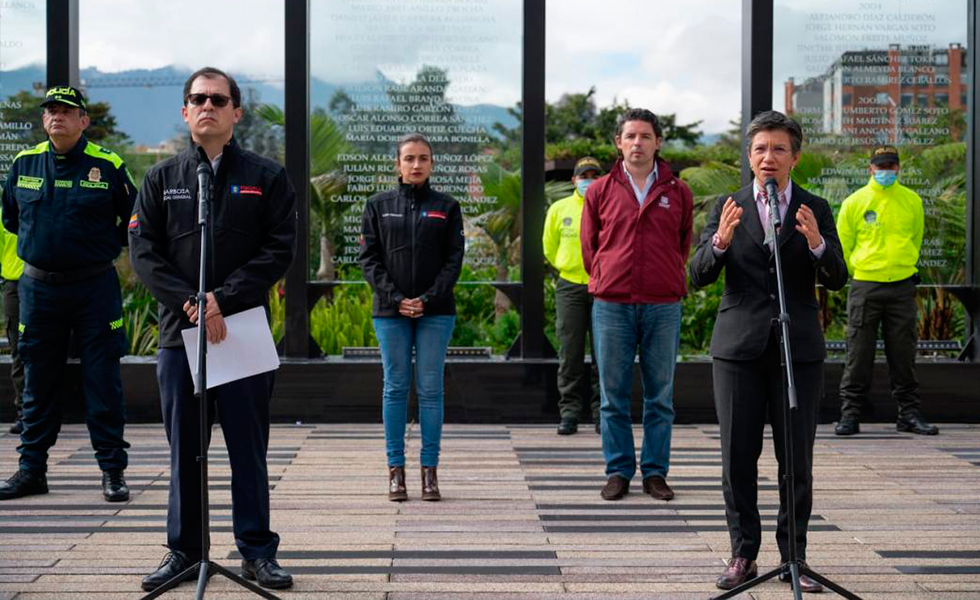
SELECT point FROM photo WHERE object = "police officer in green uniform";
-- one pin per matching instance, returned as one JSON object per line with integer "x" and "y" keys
{"x": 573, "y": 304}
{"x": 68, "y": 201}
{"x": 10, "y": 269}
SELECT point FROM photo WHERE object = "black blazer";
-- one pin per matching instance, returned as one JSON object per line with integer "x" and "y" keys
{"x": 750, "y": 302}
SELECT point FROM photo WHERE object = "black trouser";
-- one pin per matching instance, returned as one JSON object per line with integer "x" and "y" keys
{"x": 242, "y": 408}
{"x": 91, "y": 310}
{"x": 11, "y": 317}
{"x": 573, "y": 308}
{"x": 746, "y": 392}
{"x": 893, "y": 307}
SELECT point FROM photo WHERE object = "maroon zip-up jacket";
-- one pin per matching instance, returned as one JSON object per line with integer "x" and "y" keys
{"x": 636, "y": 254}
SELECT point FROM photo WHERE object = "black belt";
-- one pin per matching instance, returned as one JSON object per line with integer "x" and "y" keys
{"x": 60, "y": 277}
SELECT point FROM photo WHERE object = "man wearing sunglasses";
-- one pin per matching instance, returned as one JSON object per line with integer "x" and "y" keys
{"x": 253, "y": 223}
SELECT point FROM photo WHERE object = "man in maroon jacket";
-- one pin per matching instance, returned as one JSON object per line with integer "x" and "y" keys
{"x": 636, "y": 236}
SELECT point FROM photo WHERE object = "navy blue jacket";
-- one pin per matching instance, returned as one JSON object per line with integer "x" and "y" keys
{"x": 70, "y": 210}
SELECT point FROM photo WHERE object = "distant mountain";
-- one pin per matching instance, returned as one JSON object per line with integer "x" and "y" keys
{"x": 146, "y": 102}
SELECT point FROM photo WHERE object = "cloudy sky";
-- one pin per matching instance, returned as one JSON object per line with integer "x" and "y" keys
{"x": 677, "y": 57}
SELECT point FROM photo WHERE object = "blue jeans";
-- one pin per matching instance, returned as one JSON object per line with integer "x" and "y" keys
{"x": 618, "y": 330}
{"x": 430, "y": 338}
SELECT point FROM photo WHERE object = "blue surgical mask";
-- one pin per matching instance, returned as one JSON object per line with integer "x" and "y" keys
{"x": 885, "y": 178}
{"x": 582, "y": 185}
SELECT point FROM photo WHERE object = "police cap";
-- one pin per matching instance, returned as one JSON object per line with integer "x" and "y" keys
{"x": 65, "y": 95}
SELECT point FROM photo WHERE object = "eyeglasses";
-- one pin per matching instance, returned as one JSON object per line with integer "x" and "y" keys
{"x": 217, "y": 100}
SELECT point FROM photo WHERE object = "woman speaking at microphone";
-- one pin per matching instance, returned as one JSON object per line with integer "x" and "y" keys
{"x": 411, "y": 254}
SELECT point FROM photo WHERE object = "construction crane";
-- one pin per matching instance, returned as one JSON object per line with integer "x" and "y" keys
{"x": 151, "y": 81}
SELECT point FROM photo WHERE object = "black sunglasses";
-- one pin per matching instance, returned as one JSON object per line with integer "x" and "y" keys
{"x": 218, "y": 100}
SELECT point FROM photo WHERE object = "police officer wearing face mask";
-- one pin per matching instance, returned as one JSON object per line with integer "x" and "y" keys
{"x": 573, "y": 304}
{"x": 880, "y": 228}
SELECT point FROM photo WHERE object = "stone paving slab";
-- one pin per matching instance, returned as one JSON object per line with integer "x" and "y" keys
{"x": 896, "y": 516}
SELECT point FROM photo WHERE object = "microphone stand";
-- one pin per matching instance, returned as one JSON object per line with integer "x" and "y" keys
{"x": 794, "y": 566}
{"x": 205, "y": 567}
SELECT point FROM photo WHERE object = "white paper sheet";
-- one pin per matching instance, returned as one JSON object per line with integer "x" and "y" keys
{"x": 247, "y": 350}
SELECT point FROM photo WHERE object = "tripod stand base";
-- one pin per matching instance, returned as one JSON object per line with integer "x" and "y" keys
{"x": 205, "y": 569}
{"x": 795, "y": 569}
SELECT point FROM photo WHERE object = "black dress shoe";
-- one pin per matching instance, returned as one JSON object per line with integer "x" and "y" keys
{"x": 847, "y": 427}
{"x": 916, "y": 424}
{"x": 267, "y": 572}
{"x": 567, "y": 427}
{"x": 173, "y": 564}
{"x": 807, "y": 585}
{"x": 23, "y": 483}
{"x": 114, "y": 486}
{"x": 16, "y": 427}
{"x": 616, "y": 487}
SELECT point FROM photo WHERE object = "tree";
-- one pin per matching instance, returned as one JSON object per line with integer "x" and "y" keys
{"x": 327, "y": 179}
{"x": 22, "y": 107}
{"x": 503, "y": 224}
{"x": 256, "y": 133}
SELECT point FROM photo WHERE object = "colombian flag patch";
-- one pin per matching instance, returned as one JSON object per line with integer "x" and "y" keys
{"x": 134, "y": 221}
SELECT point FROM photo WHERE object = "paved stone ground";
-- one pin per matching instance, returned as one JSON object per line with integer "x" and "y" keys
{"x": 896, "y": 516}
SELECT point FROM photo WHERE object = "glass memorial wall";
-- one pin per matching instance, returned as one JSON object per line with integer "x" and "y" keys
{"x": 133, "y": 63}
{"x": 23, "y": 71}
{"x": 134, "y": 58}
{"x": 451, "y": 70}
{"x": 857, "y": 74}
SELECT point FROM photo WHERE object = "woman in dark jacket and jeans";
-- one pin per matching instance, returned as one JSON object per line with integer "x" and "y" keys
{"x": 411, "y": 254}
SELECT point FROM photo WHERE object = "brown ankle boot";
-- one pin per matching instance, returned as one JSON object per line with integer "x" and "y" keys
{"x": 430, "y": 485}
{"x": 396, "y": 484}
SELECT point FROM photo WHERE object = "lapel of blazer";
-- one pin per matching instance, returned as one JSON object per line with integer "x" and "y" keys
{"x": 750, "y": 218}
{"x": 788, "y": 227}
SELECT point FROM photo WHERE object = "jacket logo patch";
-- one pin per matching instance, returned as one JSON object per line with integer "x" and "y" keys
{"x": 30, "y": 183}
{"x": 63, "y": 183}
{"x": 434, "y": 214}
{"x": 176, "y": 194}
{"x": 870, "y": 217}
{"x": 567, "y": 221}
{"x": 134, "y": 221}
{"x": 94, "y": 174}
{"x": 252, "y": 190}
{"x": 664, "y": 202}
{"x": 94, "y": 185}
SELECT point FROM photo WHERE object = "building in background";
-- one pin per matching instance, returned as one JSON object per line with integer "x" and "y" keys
{"x": 869, "y": 97}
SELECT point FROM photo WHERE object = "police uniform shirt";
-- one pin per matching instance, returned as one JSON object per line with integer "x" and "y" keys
{"x": 70, "y": 210}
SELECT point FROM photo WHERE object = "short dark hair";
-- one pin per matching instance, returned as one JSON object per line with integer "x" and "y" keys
{"x": 773, "y": 120}
{"x": 639, "y": 114}
{"x": 213, "y": 73}
{"x": 408, "y": 138}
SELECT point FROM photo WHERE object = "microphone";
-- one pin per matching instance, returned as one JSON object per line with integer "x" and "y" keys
{"x": 204, "y": 176}
{"x": 772, "y": 193}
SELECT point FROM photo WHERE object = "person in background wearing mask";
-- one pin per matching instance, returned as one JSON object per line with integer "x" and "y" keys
{"x": 573, "y": 304}
{"x": 880, "y": 228}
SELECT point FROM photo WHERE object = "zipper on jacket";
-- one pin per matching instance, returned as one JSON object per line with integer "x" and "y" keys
{"x": 414, "y": 196}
